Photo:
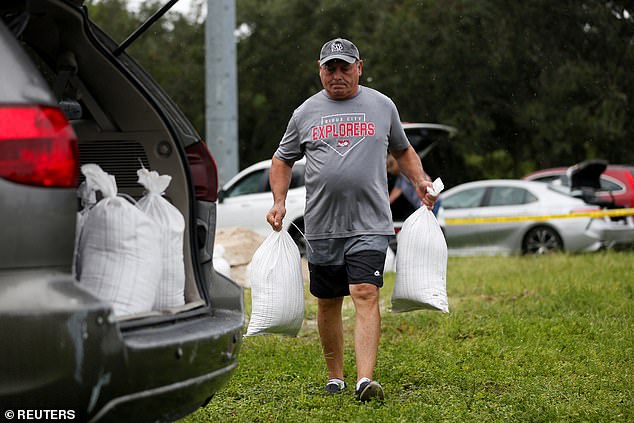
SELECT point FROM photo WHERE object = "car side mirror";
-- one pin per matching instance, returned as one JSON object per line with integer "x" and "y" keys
{"x": 221, "y": 196}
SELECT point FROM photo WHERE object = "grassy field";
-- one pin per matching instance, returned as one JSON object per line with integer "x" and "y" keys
{"x": 527, "y": 339}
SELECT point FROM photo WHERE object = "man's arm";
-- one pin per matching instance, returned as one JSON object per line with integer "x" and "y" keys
{"x": 411, "y": 166}
{"x": 279, "y": 179}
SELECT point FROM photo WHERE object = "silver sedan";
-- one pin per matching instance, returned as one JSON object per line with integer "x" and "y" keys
{"x": 513, "y": 216}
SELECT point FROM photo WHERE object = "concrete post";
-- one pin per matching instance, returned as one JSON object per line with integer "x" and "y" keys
{"x": 221, "y": 92}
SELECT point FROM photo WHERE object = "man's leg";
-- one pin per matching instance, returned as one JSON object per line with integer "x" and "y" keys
{"x": 367, "y": 327}
{"x": 331, "y": 334}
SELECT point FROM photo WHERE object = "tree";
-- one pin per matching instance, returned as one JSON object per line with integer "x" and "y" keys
{"x": 528, "y": 84}
{"x": 277, "y": 63}
{"x": 172, "y": 50}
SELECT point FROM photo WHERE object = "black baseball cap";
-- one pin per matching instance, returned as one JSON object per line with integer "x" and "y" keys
{"x": 339, "y": 48}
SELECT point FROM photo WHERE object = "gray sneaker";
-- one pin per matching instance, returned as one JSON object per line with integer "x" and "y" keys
{"x": 370, "y": 390}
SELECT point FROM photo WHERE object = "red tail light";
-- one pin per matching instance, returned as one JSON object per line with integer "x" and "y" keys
{"x": 204, "y": 171}
{"x": 38, "y": 147}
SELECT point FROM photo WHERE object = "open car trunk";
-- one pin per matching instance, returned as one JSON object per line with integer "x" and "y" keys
{"x": 118, "y": 126}
{"x": 584, "y": 181}
{"x": 158, "y": 364}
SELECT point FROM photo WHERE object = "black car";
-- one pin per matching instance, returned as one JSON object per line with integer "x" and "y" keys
{"x": 70, "y": 96}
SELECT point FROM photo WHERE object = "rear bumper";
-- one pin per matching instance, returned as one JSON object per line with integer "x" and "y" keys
{"x": 176, "y": 399}
{"x": 613, "y": 233}
{"x": 65, "y": 351}
{"x": 59, "y": 340}
{"x": 173, "y": 370}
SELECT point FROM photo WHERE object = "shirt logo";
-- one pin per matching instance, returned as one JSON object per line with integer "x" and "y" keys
{"x": 343, "y": 132}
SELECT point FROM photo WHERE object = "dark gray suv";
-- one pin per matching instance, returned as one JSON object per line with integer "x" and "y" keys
{"x": 70, "y": 96}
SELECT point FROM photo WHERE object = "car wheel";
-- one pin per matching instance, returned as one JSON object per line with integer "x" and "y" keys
{"x": 541, "y": 240}
{"x": 296, "y": 231}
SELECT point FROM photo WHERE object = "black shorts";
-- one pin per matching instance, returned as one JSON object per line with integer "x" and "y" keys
{"x": 336, "y": 263}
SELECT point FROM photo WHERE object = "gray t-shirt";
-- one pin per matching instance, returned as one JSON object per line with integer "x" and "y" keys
{"x": 345, "y": 143}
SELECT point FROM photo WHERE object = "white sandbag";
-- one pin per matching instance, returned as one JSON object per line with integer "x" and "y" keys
{"x": 118, "y": 254}
{"x": 421, "y": 263}
{"x": 221, "y": 265}
{"x": 171, "y": 284}
{"x": 277, "y": 287}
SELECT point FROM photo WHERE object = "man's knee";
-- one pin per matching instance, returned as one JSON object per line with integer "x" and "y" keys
{"x": 364, "y": 292}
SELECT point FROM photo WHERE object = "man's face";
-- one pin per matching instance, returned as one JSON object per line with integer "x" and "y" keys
{"x": 340, "y": 79}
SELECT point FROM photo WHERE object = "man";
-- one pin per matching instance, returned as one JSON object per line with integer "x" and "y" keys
{"x": 345, "y": 131}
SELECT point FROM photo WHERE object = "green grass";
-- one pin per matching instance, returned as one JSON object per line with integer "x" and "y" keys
{"x": 528, "y": 339}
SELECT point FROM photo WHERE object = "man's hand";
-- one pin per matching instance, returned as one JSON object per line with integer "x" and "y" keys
{"x": 275, "y": 216}
{"x": 428, "y": 199}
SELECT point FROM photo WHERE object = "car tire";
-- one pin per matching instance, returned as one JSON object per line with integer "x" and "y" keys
{"x": 542, "y": 240}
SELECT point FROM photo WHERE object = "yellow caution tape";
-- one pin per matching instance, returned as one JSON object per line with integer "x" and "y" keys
{"x": 593, "y": 214}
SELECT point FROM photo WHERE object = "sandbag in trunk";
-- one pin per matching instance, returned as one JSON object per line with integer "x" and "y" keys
{"x": 171, "y": 284}
{"x": 118, "y": 254}
{"x": 421, "y": 263}
{"x": 277, "y": 287}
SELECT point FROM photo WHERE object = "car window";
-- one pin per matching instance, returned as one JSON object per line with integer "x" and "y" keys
{"x": 464, "y": 199}
{"x": 508, "y": 196}
{"x": 297, "y": 178}
{"x": 252, "y": 183}
{"x": 423, "y": 137}
{"x": 546, "y": 178}
{"x": 609, "y": 185}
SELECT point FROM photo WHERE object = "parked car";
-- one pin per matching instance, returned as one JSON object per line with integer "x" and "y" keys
{"x": 616, "y": 182}
{"x": 522, "y": 217}
{"x": 69, "y": 96}
{"x": 246, "y": 198}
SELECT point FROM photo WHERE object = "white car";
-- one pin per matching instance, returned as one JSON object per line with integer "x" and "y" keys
{"x": 246, "y": 198}
{"x": 513, "y": 216}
